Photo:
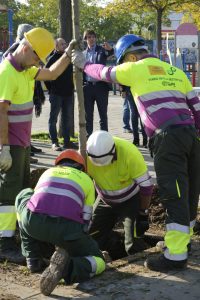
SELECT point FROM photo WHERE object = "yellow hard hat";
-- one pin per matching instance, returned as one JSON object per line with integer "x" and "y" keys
{"x": 41, "y": 41}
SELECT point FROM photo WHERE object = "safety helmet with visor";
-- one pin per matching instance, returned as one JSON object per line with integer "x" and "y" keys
{"x": 100, "y": 148}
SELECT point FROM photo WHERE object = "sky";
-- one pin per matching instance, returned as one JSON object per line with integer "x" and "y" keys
{"x": 21, "y": 1}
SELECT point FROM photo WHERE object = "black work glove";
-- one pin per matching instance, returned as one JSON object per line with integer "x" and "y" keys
{"x": 142, "y": 224}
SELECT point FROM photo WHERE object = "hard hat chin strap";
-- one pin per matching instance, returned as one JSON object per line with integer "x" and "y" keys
{"x": 103, "y": 155}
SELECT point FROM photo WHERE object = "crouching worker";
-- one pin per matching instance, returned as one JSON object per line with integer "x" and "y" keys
{"x": 58, "y": 211}
{"x": 124, "y": 189}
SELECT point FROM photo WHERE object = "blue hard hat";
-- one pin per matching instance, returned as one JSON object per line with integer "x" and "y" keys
{"x": 125, "y": 42}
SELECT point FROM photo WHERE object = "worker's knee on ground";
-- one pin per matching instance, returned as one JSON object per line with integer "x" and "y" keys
{"x": 100, "y": 265}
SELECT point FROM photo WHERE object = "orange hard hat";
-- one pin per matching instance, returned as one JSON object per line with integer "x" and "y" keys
{"x": 71, "y": 154}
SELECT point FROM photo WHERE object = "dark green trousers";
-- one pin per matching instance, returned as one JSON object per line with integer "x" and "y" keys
{"x": 177, "y": 162}
{"x": 106, "y": 216}
{"x": 17, "y": 177}
{"x": 36, "y": 228}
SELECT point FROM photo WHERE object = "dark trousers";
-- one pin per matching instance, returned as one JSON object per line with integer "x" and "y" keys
{"x": 177, "y": 164}
{"x": 106, "y": 216}
{"x": 134, "y": 119}
{"x": 96, "y": 92}
{"x": 63, "y": 104}
{"x": 17, "y": 177}
{"x": 36, "y": 228}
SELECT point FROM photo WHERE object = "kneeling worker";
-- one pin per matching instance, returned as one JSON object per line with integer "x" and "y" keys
{"x": 58, "y": 211}
{"x": 124, "y": 188}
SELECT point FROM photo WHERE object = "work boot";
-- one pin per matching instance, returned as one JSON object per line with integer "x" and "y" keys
{"x": 35, "y": 265}
{"x": 10, "y": 252}
{"x": 33, "y": 160}
{"x": 128, "y": 130}
{"x": 35, "y": 150}
{"x": 70, "y": 145}
{"x": 56, "y": 147}
{"x": 145, "y": 143}
{"x": 138, "y": 245}
{"x": 53, "y": 274}
{"x": 160, "y": 263}
{"x": 136, "y": 143}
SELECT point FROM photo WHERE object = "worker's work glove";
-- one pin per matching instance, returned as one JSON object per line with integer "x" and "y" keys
{"x": 142, "y": 224}
{"x": 5, "y": 158}
{"x": 78, "y": 59}
{"x": 71, "y": 46}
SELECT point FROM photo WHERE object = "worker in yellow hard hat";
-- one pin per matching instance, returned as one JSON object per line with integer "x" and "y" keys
{"x": 18, "y": 73}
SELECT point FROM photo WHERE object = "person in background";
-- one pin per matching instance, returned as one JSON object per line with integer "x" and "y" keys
{"x": 170, "y": 112}
{"x": 126, "y": 115}
{"x": 58, "y": 212}
{"x": 135, "y": 119}
{"x": 61, "y": 93}
{"x": 18, "y": 73}
{"x": 95, "y": 90}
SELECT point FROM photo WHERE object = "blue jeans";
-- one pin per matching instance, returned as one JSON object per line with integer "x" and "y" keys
{"x": 63, "y": 104}
{"x": 134, "y": 119}
{"x": 126, "y": 114}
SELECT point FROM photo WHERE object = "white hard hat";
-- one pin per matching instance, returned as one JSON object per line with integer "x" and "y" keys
{"x": 100, "y": 148}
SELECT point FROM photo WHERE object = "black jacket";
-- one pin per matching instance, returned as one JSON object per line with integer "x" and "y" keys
{"x": 63, "y": 85}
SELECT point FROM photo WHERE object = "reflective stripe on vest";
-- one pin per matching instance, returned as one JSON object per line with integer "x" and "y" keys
{"x": 197, "y": 106}
{"x": 170, "y": 105}
{"x": 20, "y": 112}
{"x": 7, "y": 221}
{"x": 87, "y": 212}
{"x": 118, "y": 196}
{"x": 97, "y": 265}
{"x": 20, "y": 119}
{"x": 58, "y": 191}
{"x": 161, "y": 94}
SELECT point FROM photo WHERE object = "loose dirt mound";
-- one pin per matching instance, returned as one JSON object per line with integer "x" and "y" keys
{"x": 157, "y": 212}
{"x": 35, "y": 175}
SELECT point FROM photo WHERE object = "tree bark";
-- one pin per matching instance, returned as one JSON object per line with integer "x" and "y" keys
{"x": 159, "y": 35}
{"x": 65, "y": 19}
{"x": 65, "y": 32}
{"x": 79, "y": 82}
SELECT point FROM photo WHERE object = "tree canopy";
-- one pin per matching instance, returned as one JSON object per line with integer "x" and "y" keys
{"x": 117, "y": 18}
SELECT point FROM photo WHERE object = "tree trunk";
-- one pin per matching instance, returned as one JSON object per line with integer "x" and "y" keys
{"x": 65, "y": 19}
{"x": 79, "y": 82}
{"x": 159, "y": 35}
{"x": 65, "y": 32}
